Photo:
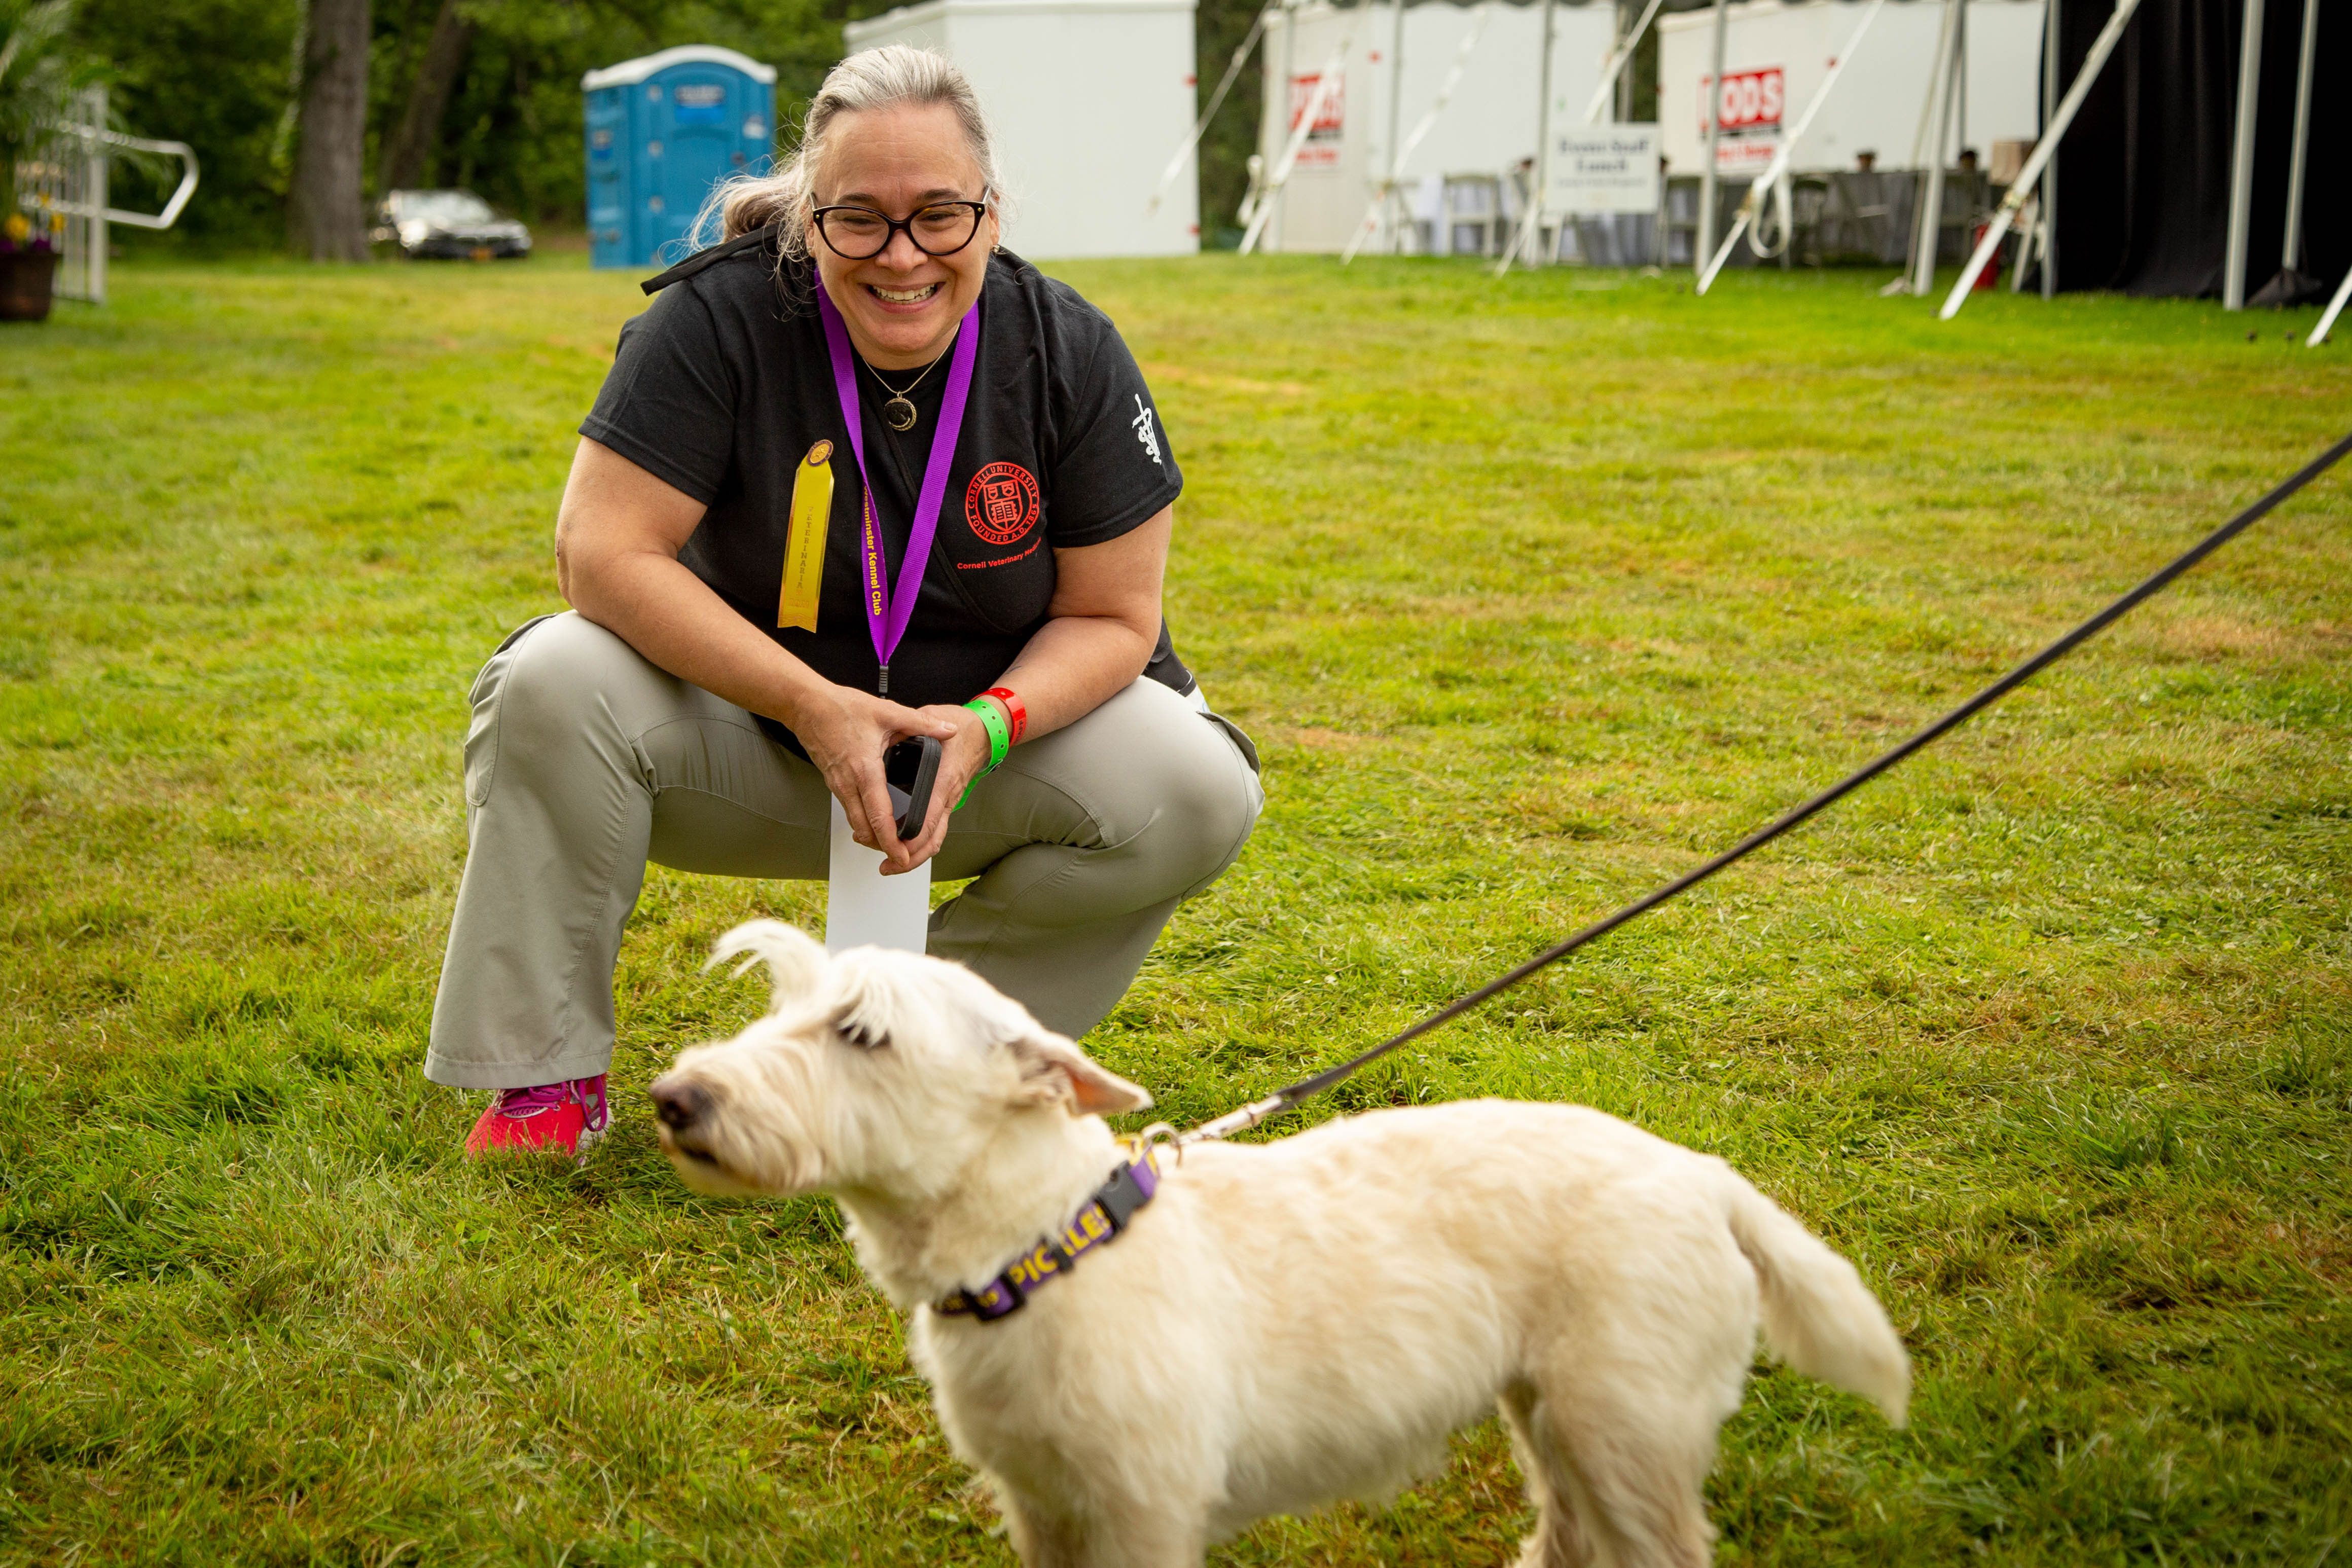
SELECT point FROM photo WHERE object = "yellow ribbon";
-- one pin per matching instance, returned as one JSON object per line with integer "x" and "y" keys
{"x": 804, "y": 545}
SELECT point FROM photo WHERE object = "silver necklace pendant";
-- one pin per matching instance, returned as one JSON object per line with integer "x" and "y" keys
{"x": 897, "y": 413}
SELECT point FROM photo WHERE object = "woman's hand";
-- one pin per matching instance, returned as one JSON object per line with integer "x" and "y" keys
{"x": 845, "y": 733}
{"x": 963, "y": 756}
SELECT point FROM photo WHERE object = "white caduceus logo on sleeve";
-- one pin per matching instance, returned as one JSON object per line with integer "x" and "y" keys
{"x": 1145, "y": 431}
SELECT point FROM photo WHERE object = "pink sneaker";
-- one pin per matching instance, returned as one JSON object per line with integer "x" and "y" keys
{"x": 568, "y": 1116}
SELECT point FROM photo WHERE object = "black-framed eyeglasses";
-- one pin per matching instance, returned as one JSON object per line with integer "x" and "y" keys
{"x": 938, "y": 228}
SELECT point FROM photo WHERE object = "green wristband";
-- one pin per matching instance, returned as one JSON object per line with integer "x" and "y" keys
{"x": 1000, "y": 741}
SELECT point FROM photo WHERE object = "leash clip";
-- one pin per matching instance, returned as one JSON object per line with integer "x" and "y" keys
{"x": 1158, "y": 1135}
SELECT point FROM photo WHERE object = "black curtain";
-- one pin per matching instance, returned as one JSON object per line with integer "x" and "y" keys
{"x": 2143, "y": 174}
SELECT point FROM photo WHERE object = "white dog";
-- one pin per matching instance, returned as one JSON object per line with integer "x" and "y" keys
{"x": 1279, "y": 1325}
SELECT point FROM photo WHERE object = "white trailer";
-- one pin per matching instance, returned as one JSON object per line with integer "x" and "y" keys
{"x": 1776, "y": 55}
{"x": 1086, "y": 98}
{"x": 1489, "y": 126}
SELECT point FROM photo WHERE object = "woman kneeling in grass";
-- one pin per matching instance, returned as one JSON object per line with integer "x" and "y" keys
{"x": 750, "y": 635}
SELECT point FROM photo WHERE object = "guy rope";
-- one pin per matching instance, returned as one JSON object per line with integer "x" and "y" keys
{"x": 1259, "y": 1112}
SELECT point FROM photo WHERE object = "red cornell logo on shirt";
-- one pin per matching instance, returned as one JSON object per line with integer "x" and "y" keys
{"x": 1001, "y": 503}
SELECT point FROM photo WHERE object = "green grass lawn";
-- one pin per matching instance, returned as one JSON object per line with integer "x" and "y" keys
{"x": 1533, "y": 594}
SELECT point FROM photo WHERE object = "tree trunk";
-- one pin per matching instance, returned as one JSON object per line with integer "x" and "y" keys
{"x": 408, "y": 157}
{"x": 325, "y": 219}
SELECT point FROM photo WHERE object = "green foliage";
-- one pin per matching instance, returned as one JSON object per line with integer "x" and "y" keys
{"x": 38, "y": 76}
{"x": 1531, "y": 592}
{"x": 218, "y": 75}
{"x": 37, "y": 70}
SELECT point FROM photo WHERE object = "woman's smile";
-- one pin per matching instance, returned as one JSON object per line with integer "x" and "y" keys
{"x": 901, "y": 304}
{"x": 903, "y": 298}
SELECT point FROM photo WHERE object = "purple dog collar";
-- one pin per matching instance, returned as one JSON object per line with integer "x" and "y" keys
{"x": 1105, "y": 1214}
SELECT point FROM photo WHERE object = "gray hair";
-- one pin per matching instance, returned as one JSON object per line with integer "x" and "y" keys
{"x": 874, "y": 78}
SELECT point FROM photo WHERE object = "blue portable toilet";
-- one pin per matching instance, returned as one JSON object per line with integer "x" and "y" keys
{"x": 661, "y": 131}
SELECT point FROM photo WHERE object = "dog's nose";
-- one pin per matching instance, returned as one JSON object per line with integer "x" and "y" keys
{"x": 680, "y": 1102}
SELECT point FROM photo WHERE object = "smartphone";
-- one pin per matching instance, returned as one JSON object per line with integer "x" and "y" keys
{"x": 909, "y": 770}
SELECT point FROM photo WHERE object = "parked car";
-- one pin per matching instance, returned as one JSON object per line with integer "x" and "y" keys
{"x": 451, "y": 223}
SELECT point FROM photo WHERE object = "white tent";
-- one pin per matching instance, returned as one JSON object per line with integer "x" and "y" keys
{"x": 1488, "y": 127}
{"x": 1086, "y": 98}
{"x": 1776, "y": 55}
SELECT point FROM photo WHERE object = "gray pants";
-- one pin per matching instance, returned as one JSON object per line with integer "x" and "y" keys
{"x": 584, "y": 761}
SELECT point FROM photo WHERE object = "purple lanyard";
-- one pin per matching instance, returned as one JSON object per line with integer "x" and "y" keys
{"x": 887, "y": 613}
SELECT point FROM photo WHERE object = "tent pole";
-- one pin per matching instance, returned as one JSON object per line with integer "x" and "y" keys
{"x": 1531, "y": 221}
{"x": 2044, "y": 151}
{"x": 1325, "y": 85}
{"x": 1778, "y": 169}
{"x": 1960, "y": 104}
{"x": 2241, "y": 159}
{"x": 1614, "y": 72}
{"x": 1389, "y": 197}
{"x": 1365, "y": 230}
{"x": 1939, "y": 143}
{"x": 1714, "y": 112}
{"x": 1620, "y": 90}
{"x": 2291, "y": 256}
{"x": 1289, "y": 64}
{"x": 1201, "y": 126}
{"x": 1918, "y": 165}
{"x": 2025, "y": 241}
{"x": 1611, "y": 74}
{"x": 2328, "y": 318}
{"x": 1926, "y": 113}
{"x": 2049, "y": 221}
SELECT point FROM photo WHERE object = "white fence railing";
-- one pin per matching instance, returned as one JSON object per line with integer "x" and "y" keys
{"x": 68, "y": 176}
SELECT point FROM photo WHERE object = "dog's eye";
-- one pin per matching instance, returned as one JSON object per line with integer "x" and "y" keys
{"x": 860, "y": 1033}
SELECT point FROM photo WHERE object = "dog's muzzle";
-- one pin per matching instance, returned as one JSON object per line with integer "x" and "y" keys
{"x": 684, "y": 1107}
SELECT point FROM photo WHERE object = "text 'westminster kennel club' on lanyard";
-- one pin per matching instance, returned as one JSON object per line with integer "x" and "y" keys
{"x": 888, "y": 613}
{"x": 1288, "y": 1099}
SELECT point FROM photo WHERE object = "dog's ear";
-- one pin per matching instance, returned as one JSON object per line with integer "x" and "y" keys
{"x": 864, "y": 1005}
{"x": 795, "y": 960}
{"x": 1054, "y": 1069}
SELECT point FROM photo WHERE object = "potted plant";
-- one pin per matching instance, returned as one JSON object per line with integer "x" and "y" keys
{"x": 37, "y": 80}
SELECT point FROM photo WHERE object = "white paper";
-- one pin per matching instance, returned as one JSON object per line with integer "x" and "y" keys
{"x": 862, "y": 908}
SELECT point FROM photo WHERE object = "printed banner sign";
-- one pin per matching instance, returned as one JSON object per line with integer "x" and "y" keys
{"x": 1321, "y": 148}
{"x": 1604, "y": 169}
{"x": 1749, "y": 112}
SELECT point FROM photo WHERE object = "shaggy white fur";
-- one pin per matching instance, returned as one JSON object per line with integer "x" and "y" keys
{"x": 1286, "y": 1323}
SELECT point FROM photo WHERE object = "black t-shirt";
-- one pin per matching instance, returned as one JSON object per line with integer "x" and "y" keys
{"x": 722, "y": 387}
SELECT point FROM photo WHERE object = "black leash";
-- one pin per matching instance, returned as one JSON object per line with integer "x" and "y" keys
{"x": 1251, "y": 1115}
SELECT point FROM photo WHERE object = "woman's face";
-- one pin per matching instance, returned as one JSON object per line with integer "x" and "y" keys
{"x": 901, "y": 306}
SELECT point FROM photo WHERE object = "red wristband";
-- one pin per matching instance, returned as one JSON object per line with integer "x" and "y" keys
{"x": 1016, "y": 714}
